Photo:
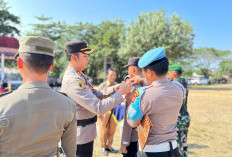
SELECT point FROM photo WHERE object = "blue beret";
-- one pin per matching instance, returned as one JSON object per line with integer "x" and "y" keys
{"x": 151, "y": 56}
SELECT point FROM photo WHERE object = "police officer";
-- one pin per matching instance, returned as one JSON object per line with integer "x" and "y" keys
{"x": 34, "y": 117}
{"x": 160, "y": 102}
{"x": 183, "y": 122}
{"x": 89, "y": 102}
{"x": 129, "y": 140}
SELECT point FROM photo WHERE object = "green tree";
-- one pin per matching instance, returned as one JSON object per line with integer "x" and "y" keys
{"x": 8, "y": 21}
{"x": 105, "y": 39}
{"x": 54, "y": 31}
{"x": 225, "y": 67}
{"x": 154, "y": 29}
{"x": 207, "y": 57}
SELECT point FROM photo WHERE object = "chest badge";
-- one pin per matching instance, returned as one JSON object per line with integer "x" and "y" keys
{"x": 82, "y": 84}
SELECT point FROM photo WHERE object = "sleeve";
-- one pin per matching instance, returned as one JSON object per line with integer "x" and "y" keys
{"x": 68, "y": 139}
{"x": 126, "y": 132}
{"x": 85, "y": 97}
{"x": 104, "y": 93}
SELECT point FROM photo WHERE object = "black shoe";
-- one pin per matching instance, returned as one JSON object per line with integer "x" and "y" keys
{"x": 111, "y": 150}
{"x": 104, "y": 152}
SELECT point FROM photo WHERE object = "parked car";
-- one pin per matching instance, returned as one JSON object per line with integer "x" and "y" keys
{"x": 198, "y": 81}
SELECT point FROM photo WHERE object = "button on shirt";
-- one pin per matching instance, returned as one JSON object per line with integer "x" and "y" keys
{"x": 89, "y": 102}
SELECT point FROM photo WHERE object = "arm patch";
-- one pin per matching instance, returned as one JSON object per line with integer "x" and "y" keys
{"x": 134, "y": 111}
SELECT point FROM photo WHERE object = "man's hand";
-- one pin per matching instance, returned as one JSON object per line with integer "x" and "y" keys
{"x": 116, "y": 87}
{"x": 123, "y": 150}
{"x": 137, "y": 80}
{"x": 125, "y": 88}
{"x": 129, "y": 97}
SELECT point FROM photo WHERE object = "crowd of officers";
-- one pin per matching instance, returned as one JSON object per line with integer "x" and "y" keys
{"x": 34, "y": 118}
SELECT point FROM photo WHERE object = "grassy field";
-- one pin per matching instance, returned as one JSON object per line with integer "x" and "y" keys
{"x": 210, "y": 133}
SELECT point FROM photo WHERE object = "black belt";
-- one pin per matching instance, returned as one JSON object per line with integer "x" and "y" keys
{"x": 85, "y": 122}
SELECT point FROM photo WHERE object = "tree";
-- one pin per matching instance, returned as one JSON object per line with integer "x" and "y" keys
{"x": 152, "y": 30}
{"x": 207, "y": 57}
{"x": 8, "y": 21}
{"x": 225, "y": 67}
{"x": 54, "y": 31}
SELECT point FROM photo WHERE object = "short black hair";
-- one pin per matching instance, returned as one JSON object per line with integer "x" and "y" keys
{"x": 39, "y": 63}
{"x": 110, "y": 69}
{"x": 160, "y": 67}
{"x": 69, "y": 55}
{"x": 178, "y": 72}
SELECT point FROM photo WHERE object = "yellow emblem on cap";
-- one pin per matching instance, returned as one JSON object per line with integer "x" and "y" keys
{"x": 82, "y": 84}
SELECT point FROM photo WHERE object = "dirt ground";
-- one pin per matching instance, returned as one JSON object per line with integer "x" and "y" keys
{"x": 210, "y": 133}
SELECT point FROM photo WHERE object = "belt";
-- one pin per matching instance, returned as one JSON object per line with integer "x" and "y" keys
{"x": 163, "y": 147}
{"x": 85, "y": 122}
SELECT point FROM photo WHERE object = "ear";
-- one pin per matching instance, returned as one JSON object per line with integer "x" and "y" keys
{"x": 51, "y": 67}
{"x": 150, "y": 72}
{"x": 73, "y": 58}
{"x": 20, "y": 63}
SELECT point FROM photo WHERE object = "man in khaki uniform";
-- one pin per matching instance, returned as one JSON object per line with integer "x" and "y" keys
{"x": 106, "y": 122}
{"x": 129, "y": 139}
{"x": 34, "y": 118}
{"x": 161, "y": 102}
{"x": 89, "y": 101}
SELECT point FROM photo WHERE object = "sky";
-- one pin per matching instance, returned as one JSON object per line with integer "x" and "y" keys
{"x": 210, "y": 19}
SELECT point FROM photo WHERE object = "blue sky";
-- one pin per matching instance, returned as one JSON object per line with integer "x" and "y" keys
{"x": 211, "y": 19}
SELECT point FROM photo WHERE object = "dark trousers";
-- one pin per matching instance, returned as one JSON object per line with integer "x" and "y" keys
{"x": 85, "y": 150}
{"x": 175, "y": 153}
{"x": 132, "y": 150}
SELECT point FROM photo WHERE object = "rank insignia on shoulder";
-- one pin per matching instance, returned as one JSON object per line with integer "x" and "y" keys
{"x": 82, "y": 84}
{"x": 91, "y": 87}
{"x": 79, "y": 73}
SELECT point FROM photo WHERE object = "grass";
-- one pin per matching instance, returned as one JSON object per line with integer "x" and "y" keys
{"x": 225, "y": 86}
{"x": 210, "y": 133}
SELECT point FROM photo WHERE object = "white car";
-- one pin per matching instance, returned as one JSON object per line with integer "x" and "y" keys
{"x": 198, "y": 81}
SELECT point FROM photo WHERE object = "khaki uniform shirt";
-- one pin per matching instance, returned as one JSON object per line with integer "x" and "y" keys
{"x": 33, "y": 119}
{"x": 129, "y": 134}
{"x": 161, "y": 102}
{"x": 88, "y": 101}
{"x": 106, "y": 84}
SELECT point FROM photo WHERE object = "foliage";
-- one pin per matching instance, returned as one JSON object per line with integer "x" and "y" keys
{"x": 225, "y": 67}
{"x": 54, "y": 31}
{"x": 207, "y": 57}
{"x": 154, "y": 30}
{"x": 8, "y": 21}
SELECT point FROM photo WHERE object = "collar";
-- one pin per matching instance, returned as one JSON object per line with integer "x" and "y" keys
{"x": 34, "y": 84}
{"x": 71, "y": 69}
{"x": 108, "y": 83}
{"x": 160, "y": 81}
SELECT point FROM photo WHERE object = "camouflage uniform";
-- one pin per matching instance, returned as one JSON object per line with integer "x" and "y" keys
{"x": 183, "y": 122}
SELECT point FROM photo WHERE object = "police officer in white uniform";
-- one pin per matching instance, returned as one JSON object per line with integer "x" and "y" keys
{"x": 89, "y": 102}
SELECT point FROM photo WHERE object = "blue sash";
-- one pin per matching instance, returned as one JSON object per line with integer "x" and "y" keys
{"x": 134, "y": 111}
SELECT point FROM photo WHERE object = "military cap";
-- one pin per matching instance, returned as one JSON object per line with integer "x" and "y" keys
{"x": 151, "y": 56}
{"x": 132, "y": 61}
{"x": 77, "y": 46}
{"x": 175, "y": 67}
{"x": 36, "y": 45}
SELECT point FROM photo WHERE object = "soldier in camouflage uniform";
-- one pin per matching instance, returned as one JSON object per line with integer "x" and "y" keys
{"x": 183, "y": 122}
